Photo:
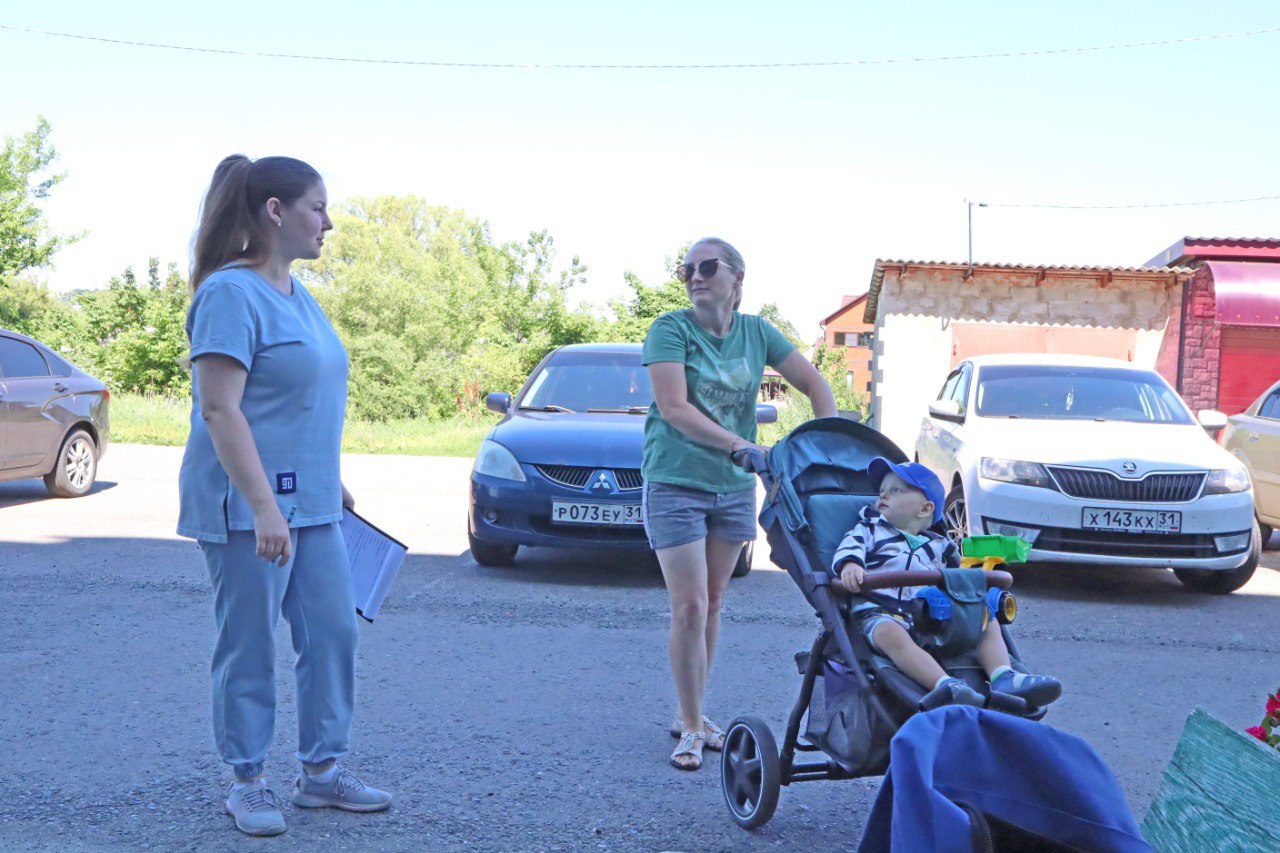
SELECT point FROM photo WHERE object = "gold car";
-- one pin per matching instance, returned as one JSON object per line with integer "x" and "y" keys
{"x": 1253, "y": 436}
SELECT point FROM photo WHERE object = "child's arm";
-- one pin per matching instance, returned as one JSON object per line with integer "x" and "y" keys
{"x": 850, "y": 561}
{"x": 951, "y": 555}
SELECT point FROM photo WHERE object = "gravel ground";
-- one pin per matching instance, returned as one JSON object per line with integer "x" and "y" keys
{"x": 507, "y": 709}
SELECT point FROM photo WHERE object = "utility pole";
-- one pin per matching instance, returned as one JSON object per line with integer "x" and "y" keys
{"x": 969, "y": 272}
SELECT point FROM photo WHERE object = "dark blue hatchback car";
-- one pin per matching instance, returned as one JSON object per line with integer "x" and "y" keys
{"x": 562, "y": 467}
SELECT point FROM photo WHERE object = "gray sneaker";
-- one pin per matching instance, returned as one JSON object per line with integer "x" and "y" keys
{"x": 256, "y": 810}
{"x": 343, "y": 791}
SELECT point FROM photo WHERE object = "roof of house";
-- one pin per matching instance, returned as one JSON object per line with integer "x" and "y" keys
{"x": 1196, "y": 249}
{"x": 882, "y": 264}
{"x": 847, "y": 303}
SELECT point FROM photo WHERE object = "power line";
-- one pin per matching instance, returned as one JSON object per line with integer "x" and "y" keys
{"x": 557, "y": 66}
{"x": 1128, "y": 206}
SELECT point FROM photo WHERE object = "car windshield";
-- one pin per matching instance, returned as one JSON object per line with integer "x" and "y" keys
{"x": 591, "y": 381}
{"x": 1061, "y": 392}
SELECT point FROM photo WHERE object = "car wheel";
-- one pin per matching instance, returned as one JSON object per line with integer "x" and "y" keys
{"x": 743, "y": 567}
{"x": 77, "y": 466}
{"x": 1221, "y": 583}
{"x": 487, "y": 554}
{"x": 1264, "y": 534}
{"x": 955, "y": 515}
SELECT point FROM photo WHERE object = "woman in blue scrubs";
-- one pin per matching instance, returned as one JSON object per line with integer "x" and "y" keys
{"x": 260, "y": 487}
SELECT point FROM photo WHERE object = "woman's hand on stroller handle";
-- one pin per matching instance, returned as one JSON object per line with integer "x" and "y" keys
{"x": 752, "y": 458}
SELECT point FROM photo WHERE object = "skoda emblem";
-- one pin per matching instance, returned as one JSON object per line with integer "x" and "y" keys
{"x": 1129, "y": 468}
{"x": 603, "y": 483}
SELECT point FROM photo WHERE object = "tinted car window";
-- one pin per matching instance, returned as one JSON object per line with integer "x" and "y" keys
{"x": 960, "y": 391}
{"x": 58, "y": 366}
{"x": 1052, "y": 392}
{"x": 582, "y": 381}
{"x": 1270, "y": 407}
{"x": 949, "y": 386}
{"x": 19, "y": 359}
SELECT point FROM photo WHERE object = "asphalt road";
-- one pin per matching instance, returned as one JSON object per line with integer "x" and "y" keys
{"x": 507, "y": 709}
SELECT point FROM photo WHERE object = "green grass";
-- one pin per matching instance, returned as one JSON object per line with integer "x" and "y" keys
{"x": 145, "y": 419}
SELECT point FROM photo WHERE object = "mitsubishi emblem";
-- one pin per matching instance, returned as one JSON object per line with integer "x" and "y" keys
{"x": 602, "y": 483}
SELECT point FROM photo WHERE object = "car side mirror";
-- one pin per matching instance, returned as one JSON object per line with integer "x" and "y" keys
{"x": 946, "y": 410}
{"x": 766, "y": 414}
{"x": 498, "y": 401}
{"x": 1211, "y": 419}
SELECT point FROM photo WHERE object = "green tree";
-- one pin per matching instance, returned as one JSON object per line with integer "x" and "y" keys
{"x": 133, "y": 334}
{"x": 773, "y": 314}
{"x": 25, "y": 241}
{"x": 433, "y": 311}
{"x": 634, "y": 315}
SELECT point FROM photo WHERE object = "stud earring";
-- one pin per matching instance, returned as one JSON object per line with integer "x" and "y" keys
{"x": 279, "y": 222}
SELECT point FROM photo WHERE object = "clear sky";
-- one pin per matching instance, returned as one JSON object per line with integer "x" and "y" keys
{"x": 812, "y": 173}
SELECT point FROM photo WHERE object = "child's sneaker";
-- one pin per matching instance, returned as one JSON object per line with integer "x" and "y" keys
{"x": 343, "y": 791}
{"x": 1037, "y": 690}
{"x": 953, "y": 691}
{"x": 256, "y": 809}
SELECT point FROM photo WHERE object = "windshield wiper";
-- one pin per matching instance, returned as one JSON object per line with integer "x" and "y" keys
{"x": 625, "y": 410}
{"x": 552, "y": 408}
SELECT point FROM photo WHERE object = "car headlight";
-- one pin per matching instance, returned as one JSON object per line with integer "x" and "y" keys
{"x": 494, "y": 460}
{"x": 1225, "y": 481}
{"x": 1013, "y": 471}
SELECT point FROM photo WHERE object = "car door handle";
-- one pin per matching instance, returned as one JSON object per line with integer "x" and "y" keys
{"x": 59, "y": 387}
{"x": 1253, "y": 436}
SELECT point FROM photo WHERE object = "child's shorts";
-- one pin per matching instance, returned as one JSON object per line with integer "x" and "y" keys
{"x": 870, "y": 619}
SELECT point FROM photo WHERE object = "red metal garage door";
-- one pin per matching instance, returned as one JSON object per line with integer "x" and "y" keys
{"x": 1250, "y": 364}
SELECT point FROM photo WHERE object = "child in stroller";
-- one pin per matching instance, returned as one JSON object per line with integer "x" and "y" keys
{"x": 894, "y": 534}
{"x": 852, "y": 698}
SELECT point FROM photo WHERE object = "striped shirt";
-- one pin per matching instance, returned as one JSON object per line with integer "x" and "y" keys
{"x": 876, "y": 545}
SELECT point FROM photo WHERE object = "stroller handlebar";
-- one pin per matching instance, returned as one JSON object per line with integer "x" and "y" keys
{"x": 926, "y": 577}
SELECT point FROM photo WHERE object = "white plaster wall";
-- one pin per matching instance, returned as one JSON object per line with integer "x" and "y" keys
{"x": 918, "y": 348}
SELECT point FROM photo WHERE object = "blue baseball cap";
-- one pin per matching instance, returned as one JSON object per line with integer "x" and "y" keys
{"x": 913, "y": 474}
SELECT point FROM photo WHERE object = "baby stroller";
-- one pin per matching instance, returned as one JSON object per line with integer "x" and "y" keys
{"x": 852, "y": 701}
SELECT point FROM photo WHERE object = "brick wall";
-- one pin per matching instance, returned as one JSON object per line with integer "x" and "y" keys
{"x": 1201, "y": 352}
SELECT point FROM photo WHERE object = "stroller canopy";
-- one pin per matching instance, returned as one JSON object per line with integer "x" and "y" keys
{"x": 820, "y": 472}
{"x": 1028, "y": 775}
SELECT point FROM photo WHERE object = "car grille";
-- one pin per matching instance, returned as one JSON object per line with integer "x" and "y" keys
{"x": 1110, "y": 543}
{"x": 1106, "y": 486}
{"x": 576, "y": 476}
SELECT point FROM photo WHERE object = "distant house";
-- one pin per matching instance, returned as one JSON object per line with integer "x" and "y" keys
{"x": 846, "y": 327}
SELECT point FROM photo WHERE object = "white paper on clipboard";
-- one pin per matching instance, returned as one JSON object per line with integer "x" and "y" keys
{"x": 375, "y": 560}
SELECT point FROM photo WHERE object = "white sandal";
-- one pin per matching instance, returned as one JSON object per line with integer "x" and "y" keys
{"x": 688, "y": 740}
{"x": 713, "y": 737}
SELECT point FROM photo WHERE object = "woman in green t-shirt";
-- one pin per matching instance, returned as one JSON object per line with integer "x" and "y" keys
{"x": 706, "y": 363}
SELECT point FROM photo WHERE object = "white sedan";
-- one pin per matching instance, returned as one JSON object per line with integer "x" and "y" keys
{"x": 1092, "y": 461}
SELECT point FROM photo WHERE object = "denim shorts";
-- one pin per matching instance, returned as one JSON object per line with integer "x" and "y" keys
{"x": 677, "y": 515}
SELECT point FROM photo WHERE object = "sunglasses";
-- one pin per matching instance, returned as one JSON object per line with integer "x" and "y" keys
{"x": 706, "y": 269}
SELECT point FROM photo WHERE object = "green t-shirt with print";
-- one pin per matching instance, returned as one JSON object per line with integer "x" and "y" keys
{"x": 723, "y": 378}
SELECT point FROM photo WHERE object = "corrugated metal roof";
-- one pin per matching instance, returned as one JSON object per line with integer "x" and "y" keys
{"x": 877, "y": 275}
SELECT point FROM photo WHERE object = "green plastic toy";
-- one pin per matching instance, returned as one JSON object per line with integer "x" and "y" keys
{"x": 991, "y": 551}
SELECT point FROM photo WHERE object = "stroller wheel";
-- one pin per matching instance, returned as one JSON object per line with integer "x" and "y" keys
{"x": 750, "y": 775}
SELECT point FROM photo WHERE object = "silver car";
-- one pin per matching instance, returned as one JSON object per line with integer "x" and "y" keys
{"x": 53, "y": 418}
{"x": 1253, "y": 436}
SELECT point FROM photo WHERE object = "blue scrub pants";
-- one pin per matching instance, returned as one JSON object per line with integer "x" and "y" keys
{"x": 313, "y": 590}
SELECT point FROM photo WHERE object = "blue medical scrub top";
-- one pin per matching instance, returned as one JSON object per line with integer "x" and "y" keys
{"x": 295, "y": 399}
